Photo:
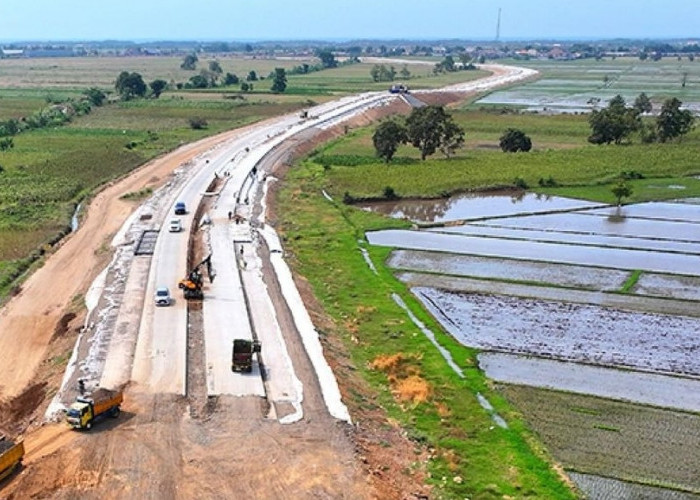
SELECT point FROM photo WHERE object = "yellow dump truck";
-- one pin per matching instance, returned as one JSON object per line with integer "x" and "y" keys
{"x": 11, "y": 455}
{"x": 86, "y": 410}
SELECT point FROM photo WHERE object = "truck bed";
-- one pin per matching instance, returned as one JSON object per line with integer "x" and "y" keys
{"x": 104, "y": 399}
{"x": 10, "y": 455}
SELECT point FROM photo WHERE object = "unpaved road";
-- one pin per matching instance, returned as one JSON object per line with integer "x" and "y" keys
{"x": 159, "y": 448}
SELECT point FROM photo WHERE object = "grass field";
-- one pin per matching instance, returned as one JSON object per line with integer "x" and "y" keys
{"x": 473, "y": 457}
{"x": 560, "y": 151}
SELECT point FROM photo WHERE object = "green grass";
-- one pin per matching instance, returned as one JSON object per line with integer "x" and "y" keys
{"x": 322, "y": 240}
{"x": 581, "y": 170}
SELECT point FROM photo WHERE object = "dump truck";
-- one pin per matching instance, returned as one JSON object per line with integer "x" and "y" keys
{"x": 11, "y": 454}
{"x": 242, "y": 358}
{"x": 87, "y": 410}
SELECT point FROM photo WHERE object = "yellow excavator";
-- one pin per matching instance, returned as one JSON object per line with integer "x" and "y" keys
{"x": 191, "y": 286}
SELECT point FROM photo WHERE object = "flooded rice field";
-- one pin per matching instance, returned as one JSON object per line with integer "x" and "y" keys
{"x": 604, "y": 488}
{"x": 470, "y": 206}
{"x": 578, "y": 238}
{"x": 603, "y": 222}
{"x": 638, "y": 387}
{"x": 558, "y": 253}
{"x": 681, "y": 210}
{"x": 676, "y": 287}
{"x": 624, "y": 301}
{"x": 605, "y": 378}
{"x": 572, "y": 332}
{"x": 505, "y": 269}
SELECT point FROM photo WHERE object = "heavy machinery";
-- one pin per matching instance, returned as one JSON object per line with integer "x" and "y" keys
{"x": 191, "y": 286}
{"x": 242, "y": 358}
{"x": 86, "y": 410}
{"x": 398, "y": 88}
{"x": 11, "y": 455}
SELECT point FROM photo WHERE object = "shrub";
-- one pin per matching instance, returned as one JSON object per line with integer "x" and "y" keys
{"x": 198, "y": 123}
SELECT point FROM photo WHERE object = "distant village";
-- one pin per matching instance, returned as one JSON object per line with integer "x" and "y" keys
{"x": 478, "y": 50}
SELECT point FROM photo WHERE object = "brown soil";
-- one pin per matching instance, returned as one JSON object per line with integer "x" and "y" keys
{"x": 159, "y": 447}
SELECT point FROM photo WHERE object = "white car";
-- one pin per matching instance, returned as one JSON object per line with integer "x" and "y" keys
{"x": 163, "y": 296}
{"x": 175, "y": 226}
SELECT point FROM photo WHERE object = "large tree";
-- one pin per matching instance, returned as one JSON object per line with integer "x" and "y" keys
{"x": 387, "y": 138}
{"x": 157, "y": 87}
{"x": 673, "y": 121}
{"x": 130, "y": 85}
{"x": 189, "y": 62}
{"x": 215, "y": 67}
{"x": 95, "y": 96}
{"x": 430, "y": 127}
{"x": 327, "y": 58}
{"x": 279, "y": 82}
{"x": 613, "y": 123}
{"x": 642, "y": 103}
{"x": 514, "y": 140}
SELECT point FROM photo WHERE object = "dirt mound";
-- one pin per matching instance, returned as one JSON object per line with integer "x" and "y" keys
{"x": 14, "y": 412}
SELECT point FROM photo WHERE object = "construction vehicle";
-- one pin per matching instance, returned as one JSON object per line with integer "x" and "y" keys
{"x": 243, "y": 350}
{"x": 191, "y": 286}
{"x": 87, "y": 410}
{"x": 11, "y": 455}
{"x": 398, "y": 88}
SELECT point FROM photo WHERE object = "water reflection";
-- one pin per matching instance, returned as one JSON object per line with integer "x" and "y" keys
{"x": 470, "y": 206}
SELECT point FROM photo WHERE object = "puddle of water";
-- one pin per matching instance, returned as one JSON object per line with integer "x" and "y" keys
{"x": 74, "y": 220}
{"x": 570, "y": 332}
{"x": 637, "y": 387}
{"x": 475, "y": 206}
{"x": 615, "y": 258}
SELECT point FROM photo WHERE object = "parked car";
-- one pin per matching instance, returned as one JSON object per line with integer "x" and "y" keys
{"x": 163, "y": 296}
{"x": 180, "y": 208}
{"x": 175, "y": 226}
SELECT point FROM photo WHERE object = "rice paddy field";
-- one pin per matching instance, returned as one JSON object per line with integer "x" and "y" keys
{"x": 577, "y": 86}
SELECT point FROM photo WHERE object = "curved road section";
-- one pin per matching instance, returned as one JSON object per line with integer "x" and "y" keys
{"x": 149, "y": 346}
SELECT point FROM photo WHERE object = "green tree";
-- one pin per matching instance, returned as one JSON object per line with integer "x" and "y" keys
{"x": 189, "y": 62}
{"x": 514, "y": 140}
{"x": 157, "y": 87}
{"x": 198, "y": 123}
{"x": 451, "y": 139}
{"x": 431, "y": 127}
{"x": 252, "y": 76}
{"x": 245, "y": 86}
{"x": 231, "y": 79}
{"x": 327, "y": 59}
{"x": 673, "y": 122}
{"x": 613, "y": 123}
{"x": 642, "y": 103}
{"x": 130, "y": 85}
{"x": 405, "y": 73}
{"x": 95, "y": 96}
{"x": 279, "y": 83}
{"x": 387, "y": 138}
{"x": 215, "y": 67}
{"x": 621, "y": 190}
{"x": 199, "y": 82}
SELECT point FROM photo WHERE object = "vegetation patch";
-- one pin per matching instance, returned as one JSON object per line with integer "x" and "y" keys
{"x": 403, "y": 374}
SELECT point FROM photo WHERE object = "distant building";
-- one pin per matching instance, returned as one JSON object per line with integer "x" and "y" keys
{"x": 12, "y": 53}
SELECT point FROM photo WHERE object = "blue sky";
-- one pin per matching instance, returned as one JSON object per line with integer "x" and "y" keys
{"x": 345, "y": 19}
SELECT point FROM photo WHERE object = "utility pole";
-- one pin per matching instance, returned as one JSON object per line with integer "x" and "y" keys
{"x": 498, "y": 26}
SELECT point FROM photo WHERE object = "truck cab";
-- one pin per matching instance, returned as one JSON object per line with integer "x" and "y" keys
{"x": 242, "y": 358}
{"x": 80, "y": 415}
